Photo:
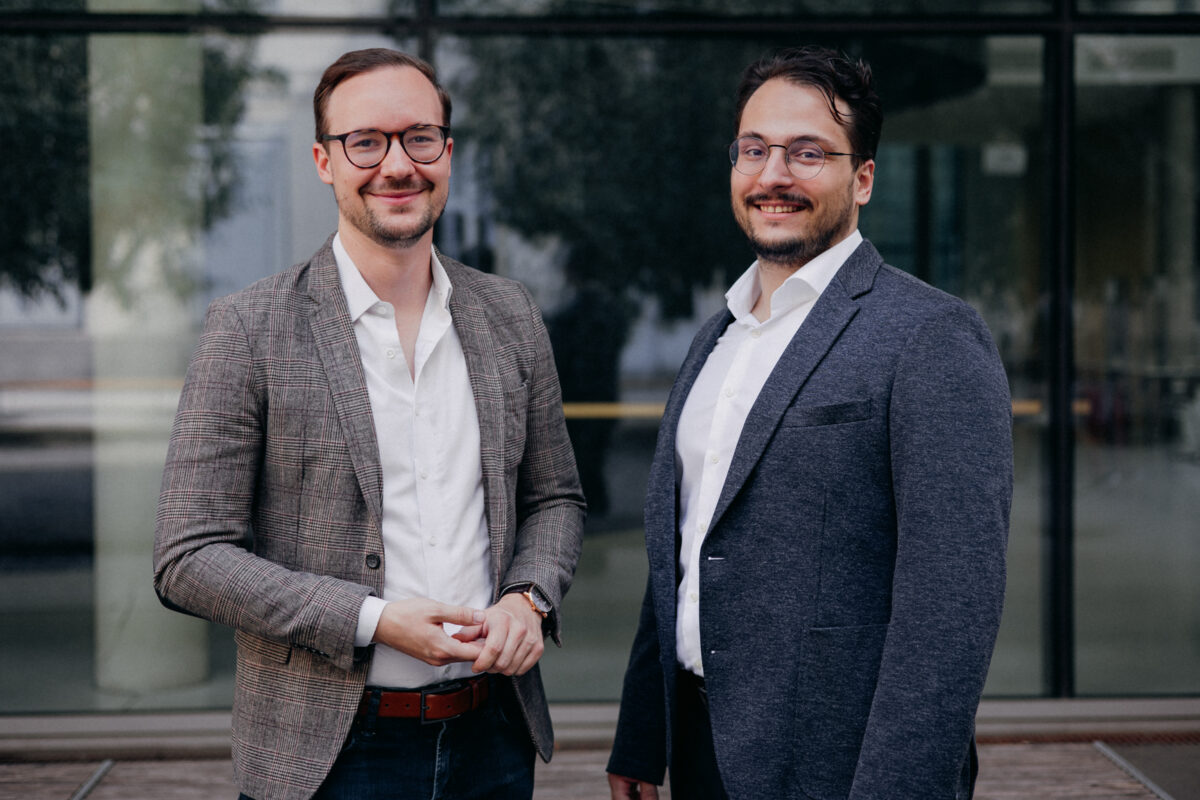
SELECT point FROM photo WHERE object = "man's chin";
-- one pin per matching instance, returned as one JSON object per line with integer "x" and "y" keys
{"x": 789, "y": 252}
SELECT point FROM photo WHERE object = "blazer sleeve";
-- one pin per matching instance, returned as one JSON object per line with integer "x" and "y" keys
{"x": 549, "y": 502}
{"x": 640, "y": 746}
{"x": 203, "y": 559}
{"x": 950, "y": 422}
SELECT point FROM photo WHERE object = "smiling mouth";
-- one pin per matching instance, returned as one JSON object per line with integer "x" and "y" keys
{"x": 785, "y": 205}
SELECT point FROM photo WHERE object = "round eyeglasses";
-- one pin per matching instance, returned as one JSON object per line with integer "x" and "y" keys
{"x": 803, "y": 158}
{"x": 365, "y": 149}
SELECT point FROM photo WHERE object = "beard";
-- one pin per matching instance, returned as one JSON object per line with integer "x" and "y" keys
{"x": 825, "y": 229}
{"x": 401, "y": 230}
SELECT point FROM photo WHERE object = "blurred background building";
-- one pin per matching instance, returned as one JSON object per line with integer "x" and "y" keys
{"x": 1039, "y": 159}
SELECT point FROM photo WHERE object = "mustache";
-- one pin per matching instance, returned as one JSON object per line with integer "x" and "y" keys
{"x": 794, "y": 199}
{"x": 414, "y": 183}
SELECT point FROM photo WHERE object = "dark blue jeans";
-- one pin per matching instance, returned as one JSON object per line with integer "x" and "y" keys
{"x": 484, "y": 755}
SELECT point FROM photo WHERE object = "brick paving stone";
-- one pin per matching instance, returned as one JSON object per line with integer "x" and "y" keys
{"x": 1042, "y": 771}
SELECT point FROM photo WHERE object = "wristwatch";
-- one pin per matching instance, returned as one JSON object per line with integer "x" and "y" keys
{"x": 537, "y": 600}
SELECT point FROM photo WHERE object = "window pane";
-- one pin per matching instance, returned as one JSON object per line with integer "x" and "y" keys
{"x": 613, "y": 207}
{"x": 1139, "y": 6}
{"x": 168, "y": 170}
{"x": 724, "y": 8}
{"x": 1137, "y": 340}
{"x": 313, "y": 8}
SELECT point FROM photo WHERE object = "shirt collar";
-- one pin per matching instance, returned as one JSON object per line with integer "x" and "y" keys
{"x": 804, "y": 285}
{"x": 360, "y": 297}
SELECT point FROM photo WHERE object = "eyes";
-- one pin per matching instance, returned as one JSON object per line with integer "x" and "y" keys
{"x": 801, "y": 151}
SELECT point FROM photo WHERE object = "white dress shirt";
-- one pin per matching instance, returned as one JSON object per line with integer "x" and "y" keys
{"x": 435, "y": 539}
{"x": 716, "y": 409}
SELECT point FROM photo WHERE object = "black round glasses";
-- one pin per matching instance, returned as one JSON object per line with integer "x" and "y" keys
{"x": 365, "y": 149}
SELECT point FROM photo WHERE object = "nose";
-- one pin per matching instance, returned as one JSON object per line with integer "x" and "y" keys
{"x": 776, "y": 171}
{"x": 396, "y": 162}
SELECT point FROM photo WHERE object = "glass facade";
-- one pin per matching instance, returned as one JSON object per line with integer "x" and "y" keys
{"x": 153, "y": 170}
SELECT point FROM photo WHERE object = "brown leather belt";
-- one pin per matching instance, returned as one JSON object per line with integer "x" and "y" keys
{"x": 432, "y": 704}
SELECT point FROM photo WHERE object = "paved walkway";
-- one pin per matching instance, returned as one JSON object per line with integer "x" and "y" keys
{"x": 1052, "y": 771}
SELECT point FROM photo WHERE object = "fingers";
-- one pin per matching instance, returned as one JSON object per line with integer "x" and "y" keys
{"x": 458, "y": 615}
{"x": 513, "y": 638}
{"x": 622, "y": 788}
{"x": 469, "y": 633}
{"x": 414, "y": 626}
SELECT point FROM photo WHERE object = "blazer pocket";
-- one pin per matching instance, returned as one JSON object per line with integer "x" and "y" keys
{"x": 831, "y": 414}
{"x": 838, "y": 671}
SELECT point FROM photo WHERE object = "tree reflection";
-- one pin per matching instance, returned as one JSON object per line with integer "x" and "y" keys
{"x": 47, "y": 103}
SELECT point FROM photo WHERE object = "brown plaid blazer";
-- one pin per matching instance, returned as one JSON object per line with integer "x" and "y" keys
{"x": 269, "y": 517}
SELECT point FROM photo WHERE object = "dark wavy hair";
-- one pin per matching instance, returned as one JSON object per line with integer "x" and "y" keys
{"x": 836, "y": 76}
{"x": 356, "y": 62}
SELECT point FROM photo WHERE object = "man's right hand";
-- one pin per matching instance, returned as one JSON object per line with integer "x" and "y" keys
{"x": 414, "y": 626}
{"x": 623, "y": 788}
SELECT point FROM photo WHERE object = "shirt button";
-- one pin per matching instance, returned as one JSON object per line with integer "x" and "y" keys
{"x": 702, "y": 527}
{"x": 729, "y": 392}
{"x": 754, "y": 334}
{"x": 714, "y": 458}
{"x": 424, "y": 474}
{"x": 693, "y": 597}
{"x": 433, "y": 541}
{"x": 373, "y": 561}
{"x": 391, "y": 353}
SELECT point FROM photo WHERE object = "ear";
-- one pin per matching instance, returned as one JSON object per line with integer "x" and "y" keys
{"x": 864, "y": 182}
{"x": 321, "y": 158}
{"x": 449, "y": 152}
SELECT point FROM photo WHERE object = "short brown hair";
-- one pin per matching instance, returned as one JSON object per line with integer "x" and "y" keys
{"x": 356, "y": 62}
{"x": 836, "y": 76}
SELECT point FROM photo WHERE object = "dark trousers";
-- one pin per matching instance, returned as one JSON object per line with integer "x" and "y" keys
{"x": 486, "y": 754}
{"x": 694, "y": 774}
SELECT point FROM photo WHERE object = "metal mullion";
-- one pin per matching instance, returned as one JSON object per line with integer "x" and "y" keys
{"x": 1059, "y": 565}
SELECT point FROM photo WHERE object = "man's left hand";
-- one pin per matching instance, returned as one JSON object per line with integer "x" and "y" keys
{"x": 512, "y": 637}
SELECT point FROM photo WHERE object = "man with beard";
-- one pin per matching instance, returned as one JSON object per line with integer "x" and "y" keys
{"x": 369, "y": 478}
{"x": 827, "y": 511}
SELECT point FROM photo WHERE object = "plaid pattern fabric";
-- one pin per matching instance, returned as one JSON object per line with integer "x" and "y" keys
{"x": 269, "y": 516}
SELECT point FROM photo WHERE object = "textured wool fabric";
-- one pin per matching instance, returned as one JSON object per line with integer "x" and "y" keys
{"x": 853, "y": 574}
{"x": 269, "y": 516}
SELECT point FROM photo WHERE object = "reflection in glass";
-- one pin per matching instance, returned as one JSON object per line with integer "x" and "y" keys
{"x": 727, "y": 8}
{"x": 1137, "y": 339}
{"x": 1139, "y": 6}
{"x": 169, "y": 170}
{"x": 307, "y": 8}
{"x": 629, "y": 248}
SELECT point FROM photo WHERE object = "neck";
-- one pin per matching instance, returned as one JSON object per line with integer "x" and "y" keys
{"x": 399, "y": 275}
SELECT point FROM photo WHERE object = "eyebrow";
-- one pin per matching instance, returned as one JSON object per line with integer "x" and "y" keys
{"x": 825, "y": 143}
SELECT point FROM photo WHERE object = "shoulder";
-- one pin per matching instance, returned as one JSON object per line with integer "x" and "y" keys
{"x": 486, "y": 288}
{"x": 900, "y": 297}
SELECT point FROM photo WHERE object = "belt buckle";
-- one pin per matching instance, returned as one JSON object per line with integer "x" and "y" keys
{"x": 445, "y": 688}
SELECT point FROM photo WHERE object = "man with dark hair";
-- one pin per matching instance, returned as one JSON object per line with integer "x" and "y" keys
{"x": 827, "y": 512}
{"x": 369, "y": 478}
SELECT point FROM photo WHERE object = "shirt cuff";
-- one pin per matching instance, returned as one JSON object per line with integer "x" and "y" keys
{"x": 368, "y": 620}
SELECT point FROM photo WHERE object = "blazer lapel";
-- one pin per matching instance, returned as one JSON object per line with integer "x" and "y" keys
{"x": 825, "y": 323}
{"x": 662, "y": 507}
{"x": 337, "y": 348}
{"x": 475, "y": 333}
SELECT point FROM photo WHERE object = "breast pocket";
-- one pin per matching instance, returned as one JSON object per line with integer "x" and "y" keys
{"x": 802, "y": 416}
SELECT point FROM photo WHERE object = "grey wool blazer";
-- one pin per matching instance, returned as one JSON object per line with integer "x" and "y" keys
{"x": 270, "y": 512}
{"x": 853, "y": 573}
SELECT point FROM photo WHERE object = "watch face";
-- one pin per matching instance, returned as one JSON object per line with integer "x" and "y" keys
{"x": 537, "y": 601}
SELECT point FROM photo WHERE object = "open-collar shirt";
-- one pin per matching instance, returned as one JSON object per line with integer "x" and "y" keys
{"x": 435, "y": 539}
{"x": 715, "y": 412}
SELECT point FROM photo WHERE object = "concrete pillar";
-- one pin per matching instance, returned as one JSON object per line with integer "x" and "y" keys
{"x": 145, "y": 114}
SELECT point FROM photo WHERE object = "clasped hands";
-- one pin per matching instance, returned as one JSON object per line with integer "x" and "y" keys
{"x": 505, "y": 638}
